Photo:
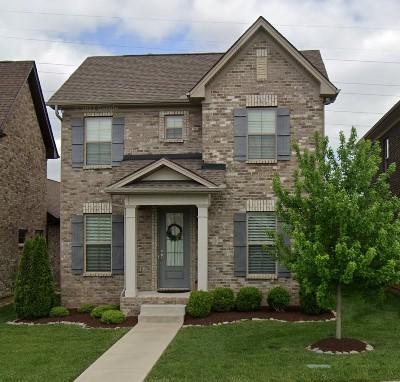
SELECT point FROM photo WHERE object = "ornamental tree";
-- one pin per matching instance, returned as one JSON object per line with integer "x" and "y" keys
{"x": 342, "y": 219}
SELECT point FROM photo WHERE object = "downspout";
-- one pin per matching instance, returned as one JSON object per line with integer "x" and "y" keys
{"x": 57, "y": 113}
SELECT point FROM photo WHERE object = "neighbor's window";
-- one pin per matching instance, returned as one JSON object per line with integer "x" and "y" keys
{"x": 386, "y": 152}
{"x": 22, "y": 233}
{"x": 174, "y": 126}
{"x": 98, "y": 232}
{"x": 260, "y": 245}
{"x": 261, "y": 133}
{"x": 98, "y": 140}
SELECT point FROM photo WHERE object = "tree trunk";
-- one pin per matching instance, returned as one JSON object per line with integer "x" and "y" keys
{"x": 339, "y": 312}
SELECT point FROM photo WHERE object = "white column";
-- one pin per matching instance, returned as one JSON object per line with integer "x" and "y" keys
{"x": 130, "y": 251}
{"x": 202, "y": 247}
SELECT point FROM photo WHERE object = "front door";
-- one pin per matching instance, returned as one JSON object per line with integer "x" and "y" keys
{"x": 174, "y": 254}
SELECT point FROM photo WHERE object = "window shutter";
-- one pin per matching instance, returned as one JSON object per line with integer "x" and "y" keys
{"x": 240, "y": 134}
{"x": 77, "y": 142}
{"x": 283, "y": 133}
{"x": 240, "y": 244}
{"x": 77, "y": 244}
{"x": 283, "y": 272}
{"x": 117, "y": 141}
{"x": 117, "y": 244}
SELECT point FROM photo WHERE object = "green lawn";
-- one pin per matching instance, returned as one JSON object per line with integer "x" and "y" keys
{"x": 273, "y": 351}
{"x": 51, "y": 352}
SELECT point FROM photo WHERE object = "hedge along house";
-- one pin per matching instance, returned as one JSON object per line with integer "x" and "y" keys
{"x": 168, "y": 162}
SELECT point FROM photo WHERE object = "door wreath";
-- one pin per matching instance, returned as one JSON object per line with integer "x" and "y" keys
{"x": 174, "y": 232}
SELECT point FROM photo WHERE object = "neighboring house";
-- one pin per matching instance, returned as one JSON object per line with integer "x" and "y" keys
{"x": 387, "y": 132}
{"x": 53, "y": 227}
{"x": 26, "y": 142}
{"x": 168, "y": 162}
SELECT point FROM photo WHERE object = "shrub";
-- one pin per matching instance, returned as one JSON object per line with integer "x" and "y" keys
{"x": 86, "y": 308}
{"x": 99, "y": 310}
{"x": 34, "y": 290}
{"x": 112, "y": 316}
{"x": 223, "y": 300}
{"x": 278, "y": 298}
{"x": 248, "y": 298}
{"x": 59, "y": 311}
{"x": 199, "y": 304}
{"x": 309, "y": 303}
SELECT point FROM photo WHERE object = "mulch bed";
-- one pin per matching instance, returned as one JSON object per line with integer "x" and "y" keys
{"x": 342, "y": 345}
{"x": 83, "y": 318}
{"x": 291, "y": 314}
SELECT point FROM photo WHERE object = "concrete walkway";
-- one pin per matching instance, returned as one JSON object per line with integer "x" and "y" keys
{"x": 133, "y": 356}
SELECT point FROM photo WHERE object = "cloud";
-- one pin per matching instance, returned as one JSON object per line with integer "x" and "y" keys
{"x": 341, "y": 29}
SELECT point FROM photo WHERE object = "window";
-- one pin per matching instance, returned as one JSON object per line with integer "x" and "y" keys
{"x": 22, "y": 236}
{"x": 38, "y": 232}
{"x": 98, "y": 141}
{"x": 260, "y": 245}
{"x": 98, "y": 232}
{"x": 261, "y": 133}
{"x": 386, "y": 152}
{"x": 174, "y": 126}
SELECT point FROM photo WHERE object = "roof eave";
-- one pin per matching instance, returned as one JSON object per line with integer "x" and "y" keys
{"x": 162, "y": 190}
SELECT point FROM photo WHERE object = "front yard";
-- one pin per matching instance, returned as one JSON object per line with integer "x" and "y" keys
{"x": 49, "y": 353}
{"x": 273, "y": 351}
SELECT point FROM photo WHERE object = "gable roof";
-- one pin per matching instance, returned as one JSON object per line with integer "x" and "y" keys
{"x": 327, "y": 89}
{"x": 138, "y": 180}
{"x": 154, "y": 78}
{"x": 391, "y": 118}
{"x": 13, "y": 75}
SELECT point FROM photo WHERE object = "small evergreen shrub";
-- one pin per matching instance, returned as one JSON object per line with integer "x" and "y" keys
{"x": 248, "y": 299}
{"x": 86, "y": 308}
{"x": 309, "y": 303}
{"x": 59, "y": 311}
{"x": 112, "y": 316}
{"x": 99, "y": 310}
{"x": 278, "y": 298}
{"x": 34, "y": 289}
{"x": 199, "y": 304}
{"x": 223, "y": 300}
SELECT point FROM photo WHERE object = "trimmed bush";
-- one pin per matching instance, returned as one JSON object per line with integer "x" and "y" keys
{"x": 86, "y": 308}
{"x": 112, "y": 316}
{"x": 278, "y": 298}
{"x": 34, "y": 289}
{"x": 248, "y": 299}
{"x": 99, "y": 310}
{"x": 309, "y": 303}
{"x": 199, "y": 304}
{"x": 223, "y": 300}
{"x": 59, "y": 311}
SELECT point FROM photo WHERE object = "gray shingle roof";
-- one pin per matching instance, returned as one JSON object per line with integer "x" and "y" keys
{"x": 142, "y": 78}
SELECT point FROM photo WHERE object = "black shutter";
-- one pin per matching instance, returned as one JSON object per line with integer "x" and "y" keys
{"x": 77, "y": 244}
{"x": 240, "y": 244}
{"x": 283, "y": 134}
{"x": 240, "y": 134}
{"x": 117, "y": 244}
{"x": 77, "y": 139}
{"x": 117, "y": 141}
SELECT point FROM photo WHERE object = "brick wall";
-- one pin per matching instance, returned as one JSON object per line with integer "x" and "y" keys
{"x": 22, "y": 186}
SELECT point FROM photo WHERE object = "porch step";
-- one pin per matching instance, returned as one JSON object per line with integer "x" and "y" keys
{"x": 162, "y": 313}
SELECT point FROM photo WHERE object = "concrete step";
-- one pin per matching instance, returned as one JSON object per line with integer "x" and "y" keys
{"x": 162, "y": 313}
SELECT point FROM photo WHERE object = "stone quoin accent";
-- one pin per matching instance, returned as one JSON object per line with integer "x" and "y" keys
{"x": 260, "y": 205}
{"x": 97, "y": 208}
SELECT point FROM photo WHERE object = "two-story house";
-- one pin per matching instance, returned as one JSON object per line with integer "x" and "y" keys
{"x": 26, "y": 142}
{"x": 168, "y": 163}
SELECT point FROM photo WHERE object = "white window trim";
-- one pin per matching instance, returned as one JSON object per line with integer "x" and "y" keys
{"x": 95, "y": 166}
{"x": 387, "y": 148}
{"x": 259, "y": 276}
{"x": 93, "y": 273}
{"x": 263, "y": 160}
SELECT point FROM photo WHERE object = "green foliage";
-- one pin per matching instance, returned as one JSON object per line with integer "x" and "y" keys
{"x": 342, "y": 219}
{"x": 98, "y": 311}
{"x": 248, "y": 299}
{"x": 223, "y": 300}
{"x": 199, "y": 304}
{"x": 34, "y": 290}
{"x": 309, "y": 303}
{"x": 59, "y": 311}
{"x": 86, "y": 308}
{"x": 112, "y": 316}
{"x": 278, "y": 298}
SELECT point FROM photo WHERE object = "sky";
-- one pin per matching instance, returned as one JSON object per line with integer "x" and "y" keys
{"x": 358, "y": 39}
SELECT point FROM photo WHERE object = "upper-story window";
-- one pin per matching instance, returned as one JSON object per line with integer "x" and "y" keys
{"x": 261, "y": 133}
{"x": 386, "y": 152}
{"x": 98, "y": 140}
{"x": 174, "y": 126}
